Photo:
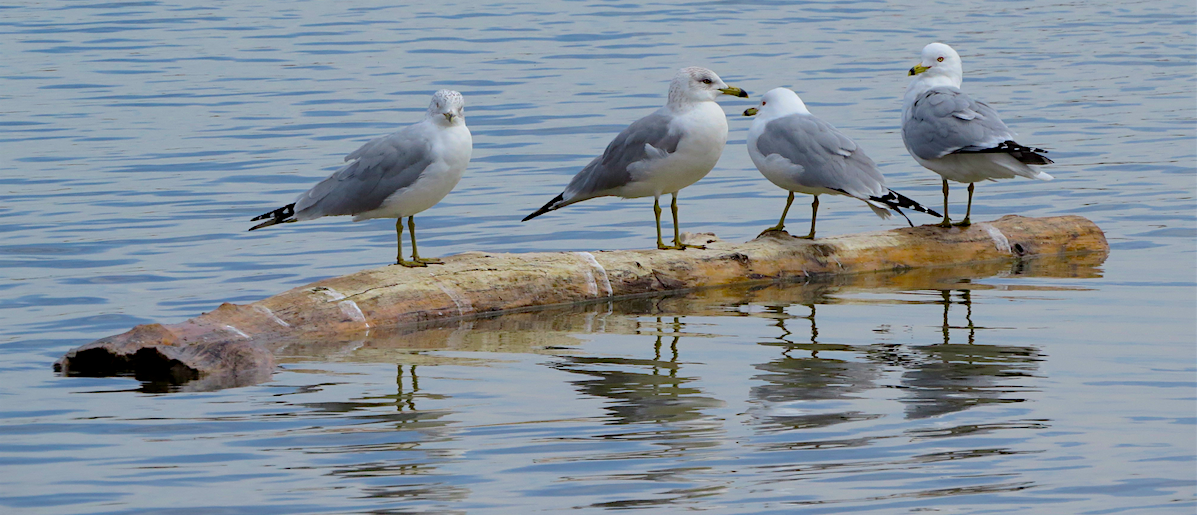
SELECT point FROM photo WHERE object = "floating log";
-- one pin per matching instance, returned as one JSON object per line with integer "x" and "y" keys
{"x": 237, "y": 344}
{"x": 554, "y": 329}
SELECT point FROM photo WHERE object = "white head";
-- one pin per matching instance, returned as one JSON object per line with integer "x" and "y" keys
{"x": 776, "y": 103}
{"x": 447, "y": 108}
{"x": 695, "y": 84}
{"x": 940, "y": 62}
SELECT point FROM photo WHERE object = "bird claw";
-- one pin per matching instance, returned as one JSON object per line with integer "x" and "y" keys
{"x": 410, "y": 264}
{"x": 680, "y": 246}
{"x": 776, "y": 228}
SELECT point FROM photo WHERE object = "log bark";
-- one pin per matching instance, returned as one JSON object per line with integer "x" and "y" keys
{"x": 237, "y": 344}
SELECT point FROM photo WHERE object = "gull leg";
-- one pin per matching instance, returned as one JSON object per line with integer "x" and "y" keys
{"x": 399, "y": 237}
{"x": 781, "y": 223}
{"x": 947, "y": 222}
{"x": 969, "y": 211}
{"x": 677, "y": 237}
{"x": 814, "y": 212}
{"x": 657, "y": 215}
{"x": 415, "y": 253}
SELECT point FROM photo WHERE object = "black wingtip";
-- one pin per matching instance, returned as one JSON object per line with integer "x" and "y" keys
{"x": 267, "y": 223}
{"x": 281, "y": 215}
{"x": 897, "y": 200}
{"x": 545, "y": 208}
{"x": 1024, "y": 154}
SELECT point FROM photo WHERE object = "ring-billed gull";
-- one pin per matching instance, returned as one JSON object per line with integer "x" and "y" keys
{"x": 393, "y": 176}
{"x": 801, "y": 153}
{"x": 955, "y": 136}
{"x": 661, "y": 153}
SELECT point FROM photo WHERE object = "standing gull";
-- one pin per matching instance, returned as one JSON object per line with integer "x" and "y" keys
{"x": 661, "y": 153}
{"x": 955, "y": 136}
{"x": 801, "y": 153}
{"x": 393, "y": 176}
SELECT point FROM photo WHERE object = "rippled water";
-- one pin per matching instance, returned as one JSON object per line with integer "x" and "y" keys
{"x": 137, "y": 138}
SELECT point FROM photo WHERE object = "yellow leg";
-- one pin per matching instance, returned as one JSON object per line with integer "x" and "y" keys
{"x": 968, "y": 212}
{"x": 415, "y": 253}
{"x": 677, "y": 236}
{"x": 781, "y": 224}
{"x": 657, "y": 216}
{"x": 947, "y": 222}
{"x": 814, "y": 212}
{"x": 399, "y": 237}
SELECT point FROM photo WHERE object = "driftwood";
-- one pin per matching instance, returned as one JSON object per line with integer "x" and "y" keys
{"x": 237, "y": 344}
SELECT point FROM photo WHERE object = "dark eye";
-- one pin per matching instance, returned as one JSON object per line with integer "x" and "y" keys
{"x": 763, "y": 102}
{"x": 706, "y": 81}
{"x": 940, "y": 59}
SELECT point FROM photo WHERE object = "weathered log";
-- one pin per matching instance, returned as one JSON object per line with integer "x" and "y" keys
{"x": 236, "y": 344}
{"x": 555, "y": 329}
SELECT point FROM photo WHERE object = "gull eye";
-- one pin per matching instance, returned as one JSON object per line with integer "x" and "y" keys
{"x": 939, "y": 59}
{"x": 706, "y": 81}
{"x": 763, "y": 102}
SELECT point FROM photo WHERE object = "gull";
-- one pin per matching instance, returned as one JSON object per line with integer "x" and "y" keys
{"x": 393, "y": 176}
{"x": 801, "y": 153}
{"x": 663, "y": 152}
{"x": 955, "y": 136}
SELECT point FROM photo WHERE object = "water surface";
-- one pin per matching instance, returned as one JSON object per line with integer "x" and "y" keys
{"x": 138, "y": 138}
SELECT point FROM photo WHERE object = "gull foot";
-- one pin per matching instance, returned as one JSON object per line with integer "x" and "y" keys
{"x": 681, "y": 246}
{"x": 776, "y": 228}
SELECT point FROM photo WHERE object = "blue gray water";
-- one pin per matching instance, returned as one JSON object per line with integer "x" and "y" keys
{"x": 138, "y": 138}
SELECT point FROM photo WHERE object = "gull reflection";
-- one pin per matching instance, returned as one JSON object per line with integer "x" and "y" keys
{"x": 639, "y": 389}
{"x": 808, "y": 391}
{"x": 960, "y": 373}
{"x": 386, "y": 444}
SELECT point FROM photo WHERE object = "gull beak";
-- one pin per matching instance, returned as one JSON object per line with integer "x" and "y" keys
{"x": 448, "y": 116}
{"x": 751, "y": 111}
{"x": 735, "y": 92}
{"x": 918, "y": 68}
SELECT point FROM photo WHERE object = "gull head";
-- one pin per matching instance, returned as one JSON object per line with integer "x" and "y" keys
{"x": 940, "y": 61}
{"x": 695, "y": 84}
{"x": 447, "y": 108}
{"x": 778, "y": 102}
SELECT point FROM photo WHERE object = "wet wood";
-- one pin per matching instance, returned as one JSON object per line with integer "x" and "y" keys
{"x": 237, "y": 344}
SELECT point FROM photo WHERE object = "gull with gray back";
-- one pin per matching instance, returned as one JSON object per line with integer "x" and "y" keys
{"x": 959, "y": 138}
{"x": 394, "y": 176}
{"x": 661, "y": 153}
{"x": 801, "y": 153}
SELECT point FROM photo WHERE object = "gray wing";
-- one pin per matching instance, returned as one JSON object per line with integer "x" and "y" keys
{"x": 610, "y": 170}
{"x": 944, "y": 120}
{"x": 828, "y": 158}
{"x": 378, "y": 169}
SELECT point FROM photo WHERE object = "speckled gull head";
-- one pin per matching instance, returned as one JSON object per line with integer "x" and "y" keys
{"x": 939, "y": 61}
{"x": 447, "y": 108}
{"x": 696, "y": 84}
